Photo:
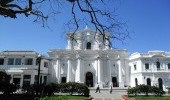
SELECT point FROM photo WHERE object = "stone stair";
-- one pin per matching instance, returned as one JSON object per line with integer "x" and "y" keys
{"x": 105, "y": 94}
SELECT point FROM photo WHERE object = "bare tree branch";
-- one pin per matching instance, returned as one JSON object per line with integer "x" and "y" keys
{"x": 102, "y": 19}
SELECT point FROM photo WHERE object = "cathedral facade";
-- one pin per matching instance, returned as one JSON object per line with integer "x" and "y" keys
{"x": 88, "y": 60}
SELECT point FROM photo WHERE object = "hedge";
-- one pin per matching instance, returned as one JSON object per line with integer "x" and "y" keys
{"x": 145, "y": 89}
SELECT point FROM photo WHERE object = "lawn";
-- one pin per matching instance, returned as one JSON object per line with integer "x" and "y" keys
{"x": 151, "y": 98}
{"x": 27, "y": 97}
{"x": 63, "y": 98}
{"x": 77, "y": 98}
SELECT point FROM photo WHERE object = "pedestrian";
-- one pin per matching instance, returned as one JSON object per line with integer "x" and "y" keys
{"x": 97, "y": 89}
{"x": 110, "y": 88}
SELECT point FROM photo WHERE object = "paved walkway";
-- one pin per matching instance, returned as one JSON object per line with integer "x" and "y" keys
{"x": 105, "y": 94}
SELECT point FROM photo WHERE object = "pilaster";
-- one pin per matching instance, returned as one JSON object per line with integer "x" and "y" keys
{"x": 109, "y": 70}
{"x": 120, "y": 73}
{"x": 69, "y": 41}
{"x": 32, "y": 79}
{"x": 21, "y": 81}
{"x": 69, "y": 70}
{"x": 78, "y": 70}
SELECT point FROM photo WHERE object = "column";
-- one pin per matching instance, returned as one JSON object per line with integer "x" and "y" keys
{"x": 97, "y": 41}
{"x": 96, "y": 68}
{"x": 107, "y": 45}
{"x": 11, "y": 81}
{"x": 32, "y": 79}
{"x": 109, "y": 70}
{"x": 34, "y": 61}
{"x": 69, "y": 71}
{"x": 99, "y": 70}
{"x": 78, "y": 71}
{"x": 21, "y": 81}
{"x": 69, "y": 42}
{"x": 58, "y": 70}
{"x": 120, "y": 73}
{"x": 79, "y": 41}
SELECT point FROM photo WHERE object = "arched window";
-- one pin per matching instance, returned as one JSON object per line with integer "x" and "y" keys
{"x": 148, "y": 80}
{"x": 158, "y": 65}
{"x": 88, "y": 46}
{"x": 160, "y": 83}
{"x": 136, "y": 81}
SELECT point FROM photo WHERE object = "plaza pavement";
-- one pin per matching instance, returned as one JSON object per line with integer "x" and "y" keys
{"x": 105, "y": 94}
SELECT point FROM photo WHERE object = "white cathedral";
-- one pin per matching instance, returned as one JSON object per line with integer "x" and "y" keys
{"x": 87, "y": 60}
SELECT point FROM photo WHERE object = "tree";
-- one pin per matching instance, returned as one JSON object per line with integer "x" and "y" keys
{"x": 95, "y": 12}
{"x": 5, "y": 87}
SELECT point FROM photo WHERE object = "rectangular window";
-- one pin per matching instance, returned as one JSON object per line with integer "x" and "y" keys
{"x": 45, "y": 80}
{"x": 134, "y": 67}
{"x": 10, "y": 61}
{"x": 45, "y": 64}
{"x": 28, "y": 61}
{"x": 36, "y": 78}
{"x": 168, "y": 66}
{"x": 146, "y": 66}
{"x": 1, "y": 61}
{"x": 26, "y": 80}
{"x": 18, "y": 61}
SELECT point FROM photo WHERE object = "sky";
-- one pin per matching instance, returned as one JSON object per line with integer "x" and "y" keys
{"x": 148, "y": 23}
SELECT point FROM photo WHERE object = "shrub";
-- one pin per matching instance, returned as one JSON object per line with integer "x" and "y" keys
{"x": 7, "y": 88}
{"x": 133, "y": 91}
{"x": 50, "y": 89}
{"x": 72, "y": 87}
{"x": 145, "y": 89}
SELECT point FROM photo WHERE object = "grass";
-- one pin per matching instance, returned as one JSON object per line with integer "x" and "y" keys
{"x": 151, "y": 97}
{"x": 63, "y": 98}
{"x": 27, "y": 97}
{"x": 77, "y": 98}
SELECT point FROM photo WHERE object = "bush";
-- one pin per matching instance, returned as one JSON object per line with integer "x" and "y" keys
{"x": 158, "y": 92}
{"x": 133, "y": 91}
{"x": 72, "y": 87}
{"x": 7, "y": 88}
{"x": 145, "y": 89}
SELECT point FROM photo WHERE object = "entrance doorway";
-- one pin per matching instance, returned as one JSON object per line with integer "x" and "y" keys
{"x": 16, "y": 81}
{"x": 114, "y": 81}
{"x": 63, "y": 79}
{"x": 89, "y": 79}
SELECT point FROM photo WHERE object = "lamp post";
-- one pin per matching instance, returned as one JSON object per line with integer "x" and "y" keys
{"x": 38, "y": 76}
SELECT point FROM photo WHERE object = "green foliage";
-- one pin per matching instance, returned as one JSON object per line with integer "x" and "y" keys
{"x": 70, "y": 87}
{"x": 53, "y": 98}
{"x": 5, "y": 87}
{"x": 145, "y": 89}
{"x": 133, "y": 91}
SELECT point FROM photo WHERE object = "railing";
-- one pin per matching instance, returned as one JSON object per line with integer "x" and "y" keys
{"x": 17, "y": 67}
{"x": 156, "y": 70}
